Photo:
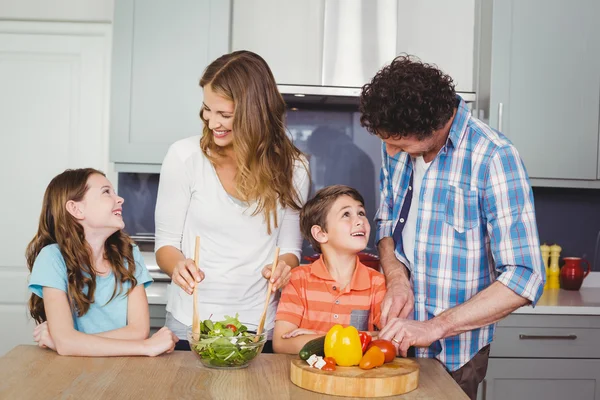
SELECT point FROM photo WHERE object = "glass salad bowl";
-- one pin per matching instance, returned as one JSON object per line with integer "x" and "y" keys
{"x": 225, "y": 346}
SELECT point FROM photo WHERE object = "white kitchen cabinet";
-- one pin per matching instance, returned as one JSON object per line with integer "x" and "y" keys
{"x": 54, "y": 115}
{"x": 160, "y": 51}
{"x": 57, "y": 10}
{"x": 545, "y": 84}
{"x": 288, "y": 34}
{"x": 440, "y": 32}
{"x": 157, "y": 316}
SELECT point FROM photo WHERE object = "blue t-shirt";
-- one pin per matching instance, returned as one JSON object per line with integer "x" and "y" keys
{"x": 50, "y": 270}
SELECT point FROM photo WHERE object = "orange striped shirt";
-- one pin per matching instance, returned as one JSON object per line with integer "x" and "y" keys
{"x": 313, "y": 300}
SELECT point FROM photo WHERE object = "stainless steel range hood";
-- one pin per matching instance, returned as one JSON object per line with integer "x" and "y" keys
{"x": 359, "y": 38}
{"x": 324, "y": 50}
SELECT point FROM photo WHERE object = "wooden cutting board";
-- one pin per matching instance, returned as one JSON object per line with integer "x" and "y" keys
{"x": 397, "y": 377}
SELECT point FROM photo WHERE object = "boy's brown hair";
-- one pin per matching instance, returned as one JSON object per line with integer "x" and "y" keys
{"x": 316, "y": 209}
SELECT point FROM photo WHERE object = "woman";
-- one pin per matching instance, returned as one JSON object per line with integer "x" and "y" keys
{"x": 239, "y": 187}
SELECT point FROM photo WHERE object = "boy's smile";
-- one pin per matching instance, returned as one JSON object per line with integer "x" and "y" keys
{"x": 348, "y": 228}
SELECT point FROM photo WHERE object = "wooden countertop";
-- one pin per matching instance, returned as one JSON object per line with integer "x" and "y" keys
{"x": 29, "y": 372}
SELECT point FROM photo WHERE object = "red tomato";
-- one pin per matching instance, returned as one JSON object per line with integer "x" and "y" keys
{"x": 329, "y": 364}
{"x": 232, "y": 327}
{"x": 387, "y": 347}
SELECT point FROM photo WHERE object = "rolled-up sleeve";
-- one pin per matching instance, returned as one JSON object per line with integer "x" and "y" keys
{"x": 511, "y": 224}
{"x": 290, "y": 238}
{"x": 173, "y": 200}
{"x": 384, "y": 215}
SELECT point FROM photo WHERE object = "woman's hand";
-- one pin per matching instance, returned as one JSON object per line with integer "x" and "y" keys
{"x": 161, "y": 342}
{"x": 42, "y": 336}
{"x": 281, "y": 275}
{"x": 186, "y": 275}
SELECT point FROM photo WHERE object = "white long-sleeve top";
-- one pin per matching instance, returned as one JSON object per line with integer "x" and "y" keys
{"x": 234, "y": 244}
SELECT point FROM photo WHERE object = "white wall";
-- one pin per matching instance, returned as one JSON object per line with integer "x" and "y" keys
{"x": 53, "y": 115}
{"x": 58, "y": 10}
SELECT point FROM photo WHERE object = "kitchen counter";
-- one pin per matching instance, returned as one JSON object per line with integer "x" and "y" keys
{"x": 585, "y": 301}
{"x": 29, "y": 372}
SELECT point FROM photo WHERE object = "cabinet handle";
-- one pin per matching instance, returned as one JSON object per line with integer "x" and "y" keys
{"x": 547, "y": 337}
{"x": 500, "y": 112}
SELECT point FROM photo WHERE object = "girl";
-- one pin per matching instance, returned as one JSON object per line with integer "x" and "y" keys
{"x": 240, "y": 187}
{"x": 87, "y": 276}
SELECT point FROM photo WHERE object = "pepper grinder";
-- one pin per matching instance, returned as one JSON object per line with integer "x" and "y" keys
{"x": 554, "y": 269}
{"x": 545, "y": 255}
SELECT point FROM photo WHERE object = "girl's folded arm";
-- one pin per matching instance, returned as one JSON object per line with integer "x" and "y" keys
{"x": 138, "y": 318}
{"x": 70, "y": 342}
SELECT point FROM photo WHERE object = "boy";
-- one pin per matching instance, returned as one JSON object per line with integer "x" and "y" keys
{"x": 337, "y": 288}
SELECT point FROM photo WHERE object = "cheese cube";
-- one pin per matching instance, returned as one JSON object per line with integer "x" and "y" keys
{"x": 312, "y": 360}
{"x": 320, "y": 363}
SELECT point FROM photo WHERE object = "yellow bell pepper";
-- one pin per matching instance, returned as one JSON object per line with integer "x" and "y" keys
{"x": 343, "y": 344}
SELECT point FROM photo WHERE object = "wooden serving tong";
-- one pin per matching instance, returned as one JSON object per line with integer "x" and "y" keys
{"x": 261, "y": 324}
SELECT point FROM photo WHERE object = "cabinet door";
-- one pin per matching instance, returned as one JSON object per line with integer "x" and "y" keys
{"x": 546, "y": 81}
{"x": 440, "y": 32}
{"x": 160, "y": 50}
{"x": 547, "y": 379}
{"x": 53, "y": 102}
{"x": 288, "y": 34}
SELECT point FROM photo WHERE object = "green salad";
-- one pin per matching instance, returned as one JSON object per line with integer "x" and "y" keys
{"x": 226, "y": 343}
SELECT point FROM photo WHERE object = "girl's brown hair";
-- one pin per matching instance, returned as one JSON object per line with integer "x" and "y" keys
{"x": 265, "y": 155}
{"x": 58, "y": 226}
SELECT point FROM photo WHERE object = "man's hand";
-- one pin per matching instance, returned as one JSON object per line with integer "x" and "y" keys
{"x": 399, "y": 300}
{"x": 405, "y": 333}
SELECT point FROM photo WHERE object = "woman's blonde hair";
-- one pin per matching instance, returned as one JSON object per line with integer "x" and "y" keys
{"x": 58, "y": 226}
{"x": 265, "y": 154}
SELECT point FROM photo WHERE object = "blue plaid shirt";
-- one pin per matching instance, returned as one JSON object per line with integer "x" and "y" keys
{"x": 475, "y": 224}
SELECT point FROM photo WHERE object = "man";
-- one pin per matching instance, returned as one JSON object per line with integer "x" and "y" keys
{"x": 456, "y": 227}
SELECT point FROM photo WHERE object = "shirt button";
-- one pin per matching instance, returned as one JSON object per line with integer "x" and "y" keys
{"x": 410, "y": 188}
{"x": 401, "y": 220}
{"x": 335, "y": 316}
{"x": 337, "y": 302}
{"x": 334, "y": 288}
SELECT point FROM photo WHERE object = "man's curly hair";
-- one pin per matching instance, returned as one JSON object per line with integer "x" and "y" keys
{"x": 407, "y": 98}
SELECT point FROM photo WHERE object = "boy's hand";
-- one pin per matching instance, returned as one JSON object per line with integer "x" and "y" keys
{"x": 298, "y": 332}
{"x": 42, "y": 336}
{"x": 281, "y": 275}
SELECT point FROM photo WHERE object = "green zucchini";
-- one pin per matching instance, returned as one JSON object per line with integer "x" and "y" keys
{"x": 315, "y": 346}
